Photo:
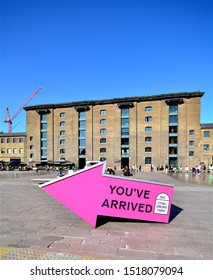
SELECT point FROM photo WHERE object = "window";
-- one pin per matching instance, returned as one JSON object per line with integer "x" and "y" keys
{"x": 43, "y": 126}
{"x": 148, "y": 160}
{"x": 15, "y": 140}
{"x": 21, "y": 140}
{"x": 125, "y": 112}
{"x": 82, "y": 115}
{"x": 125, "y": 121}
{"x": 191, "y": 153}
{"x": 125, "y": 141}
{"x": 102, "y": 159}
{"x": 125, "y": 151}
{"x": 148, "y": 129}
{"x": 124, "y": 131}
{"x": 103, "y": 131}
{"x": 148, "y": 109}
{"x": 191, "y": 143}
{"x": 44, "y": 135}
{"x": 8, "y": 140}
{"x": 148, "y": 139}
{"x": 148, "y": 119}
{"x": 173, "y": 129}
{"x": 206, "y": 134}
{"x": 31, "y": 138}
{"x": 173, "y": 109}
{"x": 62, "y": 124}
{"x": 148, "y": 149}
{"x": 102, "y": 150}
{"x": 103, "y": 112}
{"x": 62, "y": 142}
{"x": 31, "y": 155}
{"x": 44, "y": 143}
{"x": 9, "y": 151}
{"x": 21, "y": 150}
{"x": 62, "y": 151}
{"x": 3, "y": 151}
{"x": 103, "y": 121}
{"x": 31, "y": 147}
{"x": 191, "y": 132}
{"x": 82, "y": 151}
{"x": 103, "y": 140}
{"x": 63, "y": 115}
{"x": 172, "y": 150}
{"x": 82, "y": 133}
{"x": 2, "y": 140}
{"x": 206, "y": 147}
{"x": 82, "y": 142}
{"x": 15, "y": 151}
{"x": 62, "y": 133}
{"x": 43, "y": 118}
{"x": 82, "y": 124}
{"x": 173, "y": 140}
{"x": 173, "y": 119}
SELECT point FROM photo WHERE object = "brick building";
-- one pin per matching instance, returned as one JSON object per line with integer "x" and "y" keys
{"x": 142, "y": 130}
{"x": 13, "y": 148}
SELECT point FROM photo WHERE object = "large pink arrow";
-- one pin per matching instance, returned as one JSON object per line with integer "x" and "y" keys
{"x": 90, "y": 193}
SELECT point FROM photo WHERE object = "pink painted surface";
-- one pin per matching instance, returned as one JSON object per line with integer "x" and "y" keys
{"x": 90, "y": 193}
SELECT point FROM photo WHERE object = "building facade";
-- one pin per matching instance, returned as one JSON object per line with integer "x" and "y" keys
{"x": 206, "y": 144}
{"x": 13, "y": 148}
{"x": 141, "y": 131}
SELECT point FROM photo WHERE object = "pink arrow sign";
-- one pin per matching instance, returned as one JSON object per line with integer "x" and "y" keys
{"x": 90, "y": 192}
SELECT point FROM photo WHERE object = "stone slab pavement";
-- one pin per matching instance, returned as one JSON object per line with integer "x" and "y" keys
{"x": 33, "y": 225}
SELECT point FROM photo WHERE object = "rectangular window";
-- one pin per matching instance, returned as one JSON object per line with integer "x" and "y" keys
{"x": 206, "y": 134}
{"x": 43, "y": 118}
{"x": 103, "y": 131}
{"x": 173, "y": 109}
{"x": 125, "y": 121}
{"x": 15, "y": 140}
{"x": 43, "y": 126}
{"x": 191, "y": 132}
{"x": 82, "y": 124}
{"x": 191, "y": 143}
{"x": 82, "y": 115}
{"x": 206, "y": 147}
{"x": 173, "y": 119}
{"x": 148, "y": 129}
{"x": 103, "y": 121}
{"x": 148, "y": 119}
{"x": 125, "y": 131}
{"x": 82, "y": 142}
{"x": 21, "y": 140}
{"x": 2, "y": 140}
{"x": 191, "y": 153}
{"x": 125, "y": 112}
{"x": 103, "y": 112}
{"x": 62, "y": 115}
{"x": 8, "y": 140}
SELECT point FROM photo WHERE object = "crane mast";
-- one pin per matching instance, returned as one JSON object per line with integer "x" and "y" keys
{"x": 9, "y": 119}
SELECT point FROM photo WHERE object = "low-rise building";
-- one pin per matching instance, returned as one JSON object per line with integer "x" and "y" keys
{"x": 13, "y": 148}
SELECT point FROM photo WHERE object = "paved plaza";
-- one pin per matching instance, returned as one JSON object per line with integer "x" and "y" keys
{"x": 33, "y": 225}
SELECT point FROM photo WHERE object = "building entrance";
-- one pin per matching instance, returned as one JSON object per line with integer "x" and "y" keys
{"x": 124, "y": 162}
{"x": 81, "y": 163}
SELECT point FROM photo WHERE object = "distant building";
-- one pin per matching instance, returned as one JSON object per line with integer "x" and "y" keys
{"x": 153, "y": 130}
{"x": 13, "y": 148}
{"x": 206, "y": 144}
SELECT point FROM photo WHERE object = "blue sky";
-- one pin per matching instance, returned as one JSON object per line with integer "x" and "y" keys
{"x": 81, "y": 50}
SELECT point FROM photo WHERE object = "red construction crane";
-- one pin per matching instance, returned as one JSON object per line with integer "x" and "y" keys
{"x": 7, "y": 113}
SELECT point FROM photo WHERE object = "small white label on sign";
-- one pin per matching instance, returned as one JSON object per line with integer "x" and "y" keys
{"x": 162, "y": 204}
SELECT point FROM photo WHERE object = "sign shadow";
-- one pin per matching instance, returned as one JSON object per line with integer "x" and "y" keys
{"x": 101, "y": 220}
